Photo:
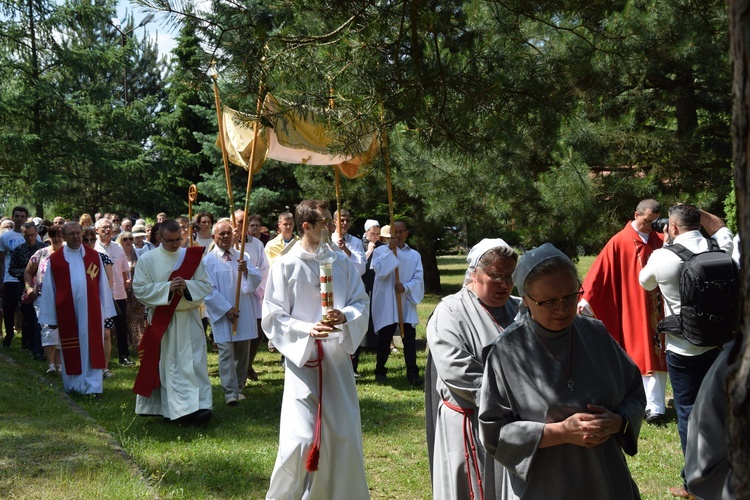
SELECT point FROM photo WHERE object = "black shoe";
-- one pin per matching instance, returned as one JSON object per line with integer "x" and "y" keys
{"x": 126, "y": 362}
{"x": 416, "y": 382}
{"x": 653, "y": 418}
{"x": 380, "y": 378}
{"x": 199, "y": 417}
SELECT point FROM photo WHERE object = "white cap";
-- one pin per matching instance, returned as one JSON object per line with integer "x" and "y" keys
{"x": 371, "y": 222}
{"x": 481, "y": 248}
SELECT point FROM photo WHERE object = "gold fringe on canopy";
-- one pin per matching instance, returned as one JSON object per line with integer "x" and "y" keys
{"x": 296, "y": 135}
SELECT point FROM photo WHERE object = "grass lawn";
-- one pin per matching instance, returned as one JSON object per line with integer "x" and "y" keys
{"x": 51, "y": 449}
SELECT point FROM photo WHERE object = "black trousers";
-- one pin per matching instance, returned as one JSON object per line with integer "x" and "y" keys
{"x": 121, "y": 327}
{"x": 385, "y": 336}
{"x": 11, "y": 297}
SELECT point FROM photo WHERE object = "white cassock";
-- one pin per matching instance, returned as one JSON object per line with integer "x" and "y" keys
{"x": 291, "y": 308}
{"x": 254, "y": 248}
{"x": 90, "y": 381}
{"x": 409, "y": 264}
{"x": 223, "y": 277}
{"x": 183, "y": 369}
{"x": 354, "y": 245}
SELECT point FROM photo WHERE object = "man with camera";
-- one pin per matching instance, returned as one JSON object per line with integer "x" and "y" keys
{"x": 612, "y": 294}
{"x": 687, "y": 363}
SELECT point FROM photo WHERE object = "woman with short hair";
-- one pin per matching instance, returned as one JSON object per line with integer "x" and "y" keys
{"x": 136, "y": 312}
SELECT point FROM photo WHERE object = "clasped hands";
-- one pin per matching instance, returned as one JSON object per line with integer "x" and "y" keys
{"x": 591, "y": 429}
{"x": 322, "y": 329}
{"x": 177, "y": 285}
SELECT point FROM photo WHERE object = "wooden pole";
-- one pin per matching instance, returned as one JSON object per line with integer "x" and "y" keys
{"x": 386, "y": 158}
{"x": 338, "y": 202}
{"x": 224, "y": 156}
{"x": 192, "y": 196}
{"x": 248, "y": 189}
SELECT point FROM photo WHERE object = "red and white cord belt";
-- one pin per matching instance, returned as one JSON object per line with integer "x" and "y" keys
{"x": 314, "y": 455}
{"x": 470, "y": 448}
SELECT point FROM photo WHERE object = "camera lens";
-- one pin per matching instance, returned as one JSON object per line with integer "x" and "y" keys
{"x": 659, "y": 224}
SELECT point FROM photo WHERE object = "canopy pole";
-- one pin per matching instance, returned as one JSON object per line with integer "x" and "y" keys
{"x": 386, "y": 158}
{"x": 192, "y": 196}
{"x": 332, "y": 105}
{"x": 338, "y": 202}
{"x": 249, "y": 188}
{"x": 224, "y": 156}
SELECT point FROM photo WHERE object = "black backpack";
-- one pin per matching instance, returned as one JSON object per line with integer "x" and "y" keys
{"x": 709, "y": 295}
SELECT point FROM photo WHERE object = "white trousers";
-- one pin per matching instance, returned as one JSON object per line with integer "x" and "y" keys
{"x": 655, "y": 386}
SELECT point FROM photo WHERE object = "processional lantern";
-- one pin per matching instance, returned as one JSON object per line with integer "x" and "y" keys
{"x": 325, "y": 256}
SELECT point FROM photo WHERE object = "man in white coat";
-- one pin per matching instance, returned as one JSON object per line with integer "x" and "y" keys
{"x": 254, "y": 248}
{"x": 173, "y": 378}
{"x": 324, "y": 460}
{"x": 223, "y": 265}
{"x": 409, "y": 287}
{"x": 347, "y": 243}
{"x": 74, "y": 281}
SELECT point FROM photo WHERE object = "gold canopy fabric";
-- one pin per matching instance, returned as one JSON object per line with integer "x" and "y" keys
{"x": 296, "y": 135}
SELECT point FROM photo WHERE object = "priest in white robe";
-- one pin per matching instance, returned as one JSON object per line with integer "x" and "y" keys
{"x": 90, "y": 380}
{"x": 224, "y": 265}
{"x": 182, "y": 390}
{"x": 318, "y": 369}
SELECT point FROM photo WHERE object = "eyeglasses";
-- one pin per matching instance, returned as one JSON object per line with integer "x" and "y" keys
{"x": 115, "y": 220}
{"x": 89, "y": 240}
{"x": 570, "y": 301}
{"x": 173, "y": 240}
{"x": 327, "y": 220}
{"x": 504, "y": 279}
{"x": 126, "y": 239}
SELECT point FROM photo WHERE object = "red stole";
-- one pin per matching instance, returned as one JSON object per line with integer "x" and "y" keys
{"x": 149, "y": 349}
{"x": 66, "y": 314}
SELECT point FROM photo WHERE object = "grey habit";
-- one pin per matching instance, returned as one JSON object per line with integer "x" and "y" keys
{"x": 457, "y": 332}
{"x": 706, "y": 463}
{"x": 525, "y": 386}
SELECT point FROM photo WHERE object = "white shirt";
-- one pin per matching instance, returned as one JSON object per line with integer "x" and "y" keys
{"x": 254, "y": 249}
{"x": 355, "y": 247}
{"x": 411, "y": 275}
{"x": 663, "y": 270}
{"x": 120, "y": 266}
{"x": 8, "y": 242}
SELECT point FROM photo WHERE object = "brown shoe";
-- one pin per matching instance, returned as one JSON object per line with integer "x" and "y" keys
{"x": 680, "y": 492}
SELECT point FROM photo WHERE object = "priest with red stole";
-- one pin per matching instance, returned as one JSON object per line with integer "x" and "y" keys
{"x": 77, "y": 298}
{"x": 172, "y": 379}
{"x": 611, "y": 293}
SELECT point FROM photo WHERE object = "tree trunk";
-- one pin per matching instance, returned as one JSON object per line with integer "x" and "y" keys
{"x": 738, "y": 419}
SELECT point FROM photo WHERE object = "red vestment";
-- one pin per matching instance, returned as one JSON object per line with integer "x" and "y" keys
{"x": 70, "y": 341}
{"x": 629, "y": 312}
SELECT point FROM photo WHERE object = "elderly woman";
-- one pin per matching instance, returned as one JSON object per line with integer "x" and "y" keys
{"x": 457, "y": 332}
{"x": 560, "y": 400}
{"x": 88, "y": 237}
{"x": 136, "y": 312}
{"x": 33, "y": 278}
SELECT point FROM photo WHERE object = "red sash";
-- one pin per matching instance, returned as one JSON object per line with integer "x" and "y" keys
{"x": 66, "y": 314}
{"x": 149, "y": 349}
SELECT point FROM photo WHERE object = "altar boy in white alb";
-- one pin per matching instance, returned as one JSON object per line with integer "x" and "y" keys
{"x": 223, "y": 265}
{"x": 318, "y": 380}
